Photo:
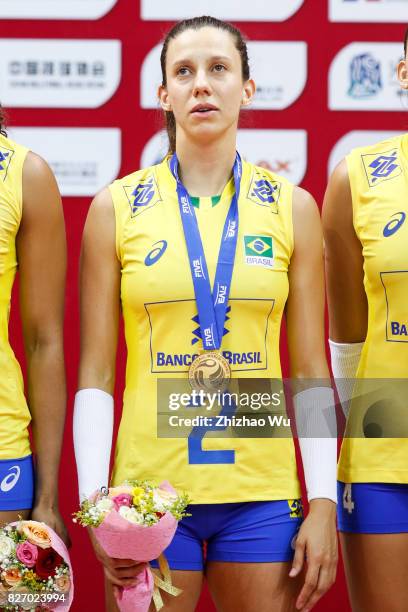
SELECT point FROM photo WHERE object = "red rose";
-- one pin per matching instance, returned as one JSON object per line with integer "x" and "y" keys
{"x": 47, "y": 562}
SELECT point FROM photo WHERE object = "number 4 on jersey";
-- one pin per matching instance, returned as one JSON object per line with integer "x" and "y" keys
{"x": 348, "y": 503}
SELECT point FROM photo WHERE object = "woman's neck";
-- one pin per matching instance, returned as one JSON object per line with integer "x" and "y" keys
{"x": 205, "y": 170}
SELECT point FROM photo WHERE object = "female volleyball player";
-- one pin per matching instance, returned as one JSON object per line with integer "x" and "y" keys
{"x": 32, "y": 239}
{"x": 366, "y": 237}
{"x": 151, "y": 244}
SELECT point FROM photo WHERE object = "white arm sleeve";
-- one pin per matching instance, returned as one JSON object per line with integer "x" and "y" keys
{"x": 93, "y": 430}
{"x": 317, "y": 430}
{"x": 345, "y": 359}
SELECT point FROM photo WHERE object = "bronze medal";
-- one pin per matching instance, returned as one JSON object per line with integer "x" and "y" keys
{"x": 210, "y": 372}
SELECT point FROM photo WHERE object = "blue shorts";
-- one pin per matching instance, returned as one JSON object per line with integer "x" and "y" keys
{"x": 372, "y": 507}
{"x": 250, "y": 532}
{"x": 16, "y": 483}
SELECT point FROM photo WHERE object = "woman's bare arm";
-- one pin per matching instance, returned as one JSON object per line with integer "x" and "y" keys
{"x": 100, "y": 297}
{"x": 317, "y": 540}
{"x": 346, "y": 297}
{"x": 41, "y": 253}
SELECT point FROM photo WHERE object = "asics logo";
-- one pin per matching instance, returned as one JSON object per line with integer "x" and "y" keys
{"x": 156, "y": 252}
{"x": 10, "y": 481}
{"x": 394, "y": 224}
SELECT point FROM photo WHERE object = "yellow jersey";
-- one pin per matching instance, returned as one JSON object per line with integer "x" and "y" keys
{"x": 14, "y": 413}
{"x": 379, "y": 188}
{"x": 163, "y": 336}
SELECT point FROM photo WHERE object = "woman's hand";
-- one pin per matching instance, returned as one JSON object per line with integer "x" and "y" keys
{"x": 52, "y": 518}
{"x": 317, "y": 544}
{"x": 120, "y": 572}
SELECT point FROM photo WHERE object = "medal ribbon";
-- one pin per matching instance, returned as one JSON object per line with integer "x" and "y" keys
{"x": 164, "y": 583}
{"x": 211, "y": 305}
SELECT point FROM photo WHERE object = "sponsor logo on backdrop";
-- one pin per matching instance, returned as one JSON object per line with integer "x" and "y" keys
{"x": 368, "y": 10}
{"x": 275, "y": 89}
{"x": 256, "y": 10}
{"x": 356, "y": 138}
{"x": 362, "y": 76}
{"x": 281, "y": 151}
{"x": 89, "y": 159}
{"x": 280, "y": 87}
{"x": 51, "y": 73}
{"x": 365, "y": 76}
{"x": 50, "y": 9}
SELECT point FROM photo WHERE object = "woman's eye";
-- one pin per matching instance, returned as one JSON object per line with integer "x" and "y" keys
{"x": 219, "y": 67}
{"x": 183, "y": 71}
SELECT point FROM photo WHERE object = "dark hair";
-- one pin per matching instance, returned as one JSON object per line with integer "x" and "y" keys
{"x": 406, "y": 42}
{"x": 196, "y": 24}
{"x": 2, "y": 121}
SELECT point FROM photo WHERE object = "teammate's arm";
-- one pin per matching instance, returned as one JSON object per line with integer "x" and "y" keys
{"x": 346, "y": 297}
{"x": 317, "y": 539}
{"x": 41, "y": 254}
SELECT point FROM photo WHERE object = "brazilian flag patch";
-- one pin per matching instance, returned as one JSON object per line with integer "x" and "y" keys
{"x": 258, "y": 251}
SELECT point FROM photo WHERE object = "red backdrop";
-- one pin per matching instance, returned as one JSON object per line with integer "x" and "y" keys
{"x": 123, "y": 110}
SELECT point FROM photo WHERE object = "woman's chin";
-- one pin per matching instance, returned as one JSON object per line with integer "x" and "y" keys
{"x": 206, "y": 132}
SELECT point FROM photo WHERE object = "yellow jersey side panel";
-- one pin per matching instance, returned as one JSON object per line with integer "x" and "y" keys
{"x": 14, "y": 414}
{"x": 379, "y": 186}
{"x": 163, "y": 335}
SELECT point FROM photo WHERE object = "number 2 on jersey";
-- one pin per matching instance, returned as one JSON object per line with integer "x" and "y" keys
{"x": 198, "y": 455}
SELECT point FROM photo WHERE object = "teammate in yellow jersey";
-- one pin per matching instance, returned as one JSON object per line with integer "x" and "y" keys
{"x": 366, "y": 236}
{"x": 157, "y": 243}
{"x": 32, "y": 240}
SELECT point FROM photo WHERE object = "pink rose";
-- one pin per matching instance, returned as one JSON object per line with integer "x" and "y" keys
{"x": 124, "y": 499}
{"x": 27, "y": 553}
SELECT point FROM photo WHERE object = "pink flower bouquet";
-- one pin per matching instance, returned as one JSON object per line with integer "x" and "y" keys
{"x": 136, "y": 521}
{"x": 35, "y": 569}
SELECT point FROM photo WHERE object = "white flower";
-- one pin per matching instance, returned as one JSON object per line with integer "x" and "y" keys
{"x": 131, "y": 515}
{"x": 6, "y": 547}
{"x": 105, "y": 504}
{"x": 163, "y": 499}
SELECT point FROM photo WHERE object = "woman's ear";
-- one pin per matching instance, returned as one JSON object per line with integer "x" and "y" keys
{"x": 402, "y": 72}
{"x": 163, "y": 98}
{"x": 248, "y": 92}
